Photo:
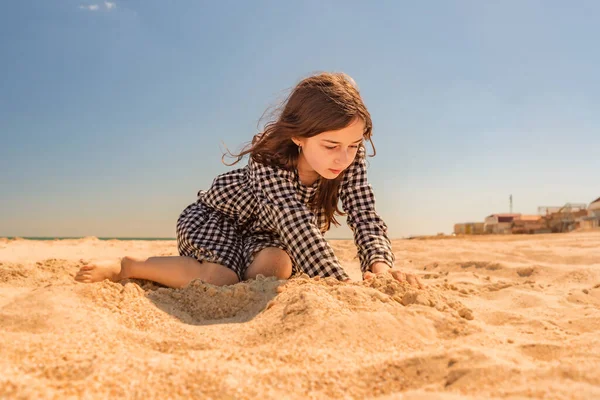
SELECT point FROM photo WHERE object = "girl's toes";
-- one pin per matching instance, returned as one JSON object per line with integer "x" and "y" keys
{"x": 80, "y": 276}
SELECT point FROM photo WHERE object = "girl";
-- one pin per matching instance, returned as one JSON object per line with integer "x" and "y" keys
{"x": 269, "y": 217}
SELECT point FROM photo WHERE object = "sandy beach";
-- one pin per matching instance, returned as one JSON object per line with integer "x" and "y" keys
{"x": 501, "y": 317}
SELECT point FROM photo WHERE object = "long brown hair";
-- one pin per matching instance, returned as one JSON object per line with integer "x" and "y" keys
{"x": 319, "y": 103}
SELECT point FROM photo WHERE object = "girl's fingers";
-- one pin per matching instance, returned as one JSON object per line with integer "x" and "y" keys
{"x": 399, "y": 275}
{"x": 412, "y": 280}
{"x": 415, "y": 281}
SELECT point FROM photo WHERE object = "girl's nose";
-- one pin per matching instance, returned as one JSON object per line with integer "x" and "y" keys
{"x": 342, "y": 157}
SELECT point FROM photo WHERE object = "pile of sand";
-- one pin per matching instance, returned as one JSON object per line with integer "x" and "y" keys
{"x": 498, "y": 318}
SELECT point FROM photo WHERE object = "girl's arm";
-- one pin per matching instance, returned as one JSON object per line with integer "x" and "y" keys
{"x": 305, "y": 242}
{"x": 294, "y": 222}
{"x": 370, "y": 231}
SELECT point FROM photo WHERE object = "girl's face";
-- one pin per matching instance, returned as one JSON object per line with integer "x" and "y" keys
{"x": 329, "y": 153}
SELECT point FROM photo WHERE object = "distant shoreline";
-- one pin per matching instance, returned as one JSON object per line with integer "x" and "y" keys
{"x": 80, "y": 237}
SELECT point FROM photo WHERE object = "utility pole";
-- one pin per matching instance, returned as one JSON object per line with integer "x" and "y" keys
{"x": 510, "y": 200}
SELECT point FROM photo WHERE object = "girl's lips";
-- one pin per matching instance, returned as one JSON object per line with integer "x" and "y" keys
{"x": 335, "y": 171}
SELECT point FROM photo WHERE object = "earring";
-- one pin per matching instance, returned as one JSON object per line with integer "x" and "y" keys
{"x": 299, "y": 149}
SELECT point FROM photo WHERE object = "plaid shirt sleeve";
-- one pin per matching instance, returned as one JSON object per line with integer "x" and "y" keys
{"x": 295, "y": 223}
{"x": 358, "y": 201}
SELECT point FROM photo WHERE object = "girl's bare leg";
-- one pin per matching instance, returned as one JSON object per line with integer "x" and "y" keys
{"x": 270, "y": 261}
{"x": 176, "y": 272}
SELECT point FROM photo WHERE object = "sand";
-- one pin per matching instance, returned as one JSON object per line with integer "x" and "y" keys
{"x": 501, "y": 317}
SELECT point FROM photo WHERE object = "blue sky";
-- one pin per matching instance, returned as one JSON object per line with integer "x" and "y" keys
{"x": 112, "y": 114}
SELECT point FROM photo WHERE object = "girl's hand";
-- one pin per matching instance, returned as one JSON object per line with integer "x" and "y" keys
{"x": 380, "y": 268}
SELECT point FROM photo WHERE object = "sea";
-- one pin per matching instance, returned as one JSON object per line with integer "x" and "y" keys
{"x": 83, "y": 237}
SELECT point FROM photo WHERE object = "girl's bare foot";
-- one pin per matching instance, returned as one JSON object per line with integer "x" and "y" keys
{"x": 101, "y": 270}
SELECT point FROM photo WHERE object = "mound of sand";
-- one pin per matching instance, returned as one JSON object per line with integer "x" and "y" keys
{"x": 497, "y": 319}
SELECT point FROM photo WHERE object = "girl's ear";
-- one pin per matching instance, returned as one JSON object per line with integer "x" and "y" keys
{"x": 297, "y": 141}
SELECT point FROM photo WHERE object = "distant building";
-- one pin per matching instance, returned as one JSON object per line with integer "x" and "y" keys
{"x": 499, "y": 223}
{"x": 529, "y": 218}
{"x": 528, "y": 224}
{"x": 469, "y": 228}
{"x": 594, "y": 207}
{"x": 568, "y": 218}
{"x": 592, "y": 220}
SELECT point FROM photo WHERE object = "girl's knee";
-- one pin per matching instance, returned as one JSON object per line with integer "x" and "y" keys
{"x": 271, "y": 261}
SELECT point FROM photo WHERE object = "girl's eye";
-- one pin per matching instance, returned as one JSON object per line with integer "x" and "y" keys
{"x": 333, "y": 147}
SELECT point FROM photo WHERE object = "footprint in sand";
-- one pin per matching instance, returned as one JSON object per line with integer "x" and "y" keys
{"x": 490, "y": 266}
{"x": 525, "y": 271}
{"x": 543, "y": 352}
{"x": 494, "y": 287}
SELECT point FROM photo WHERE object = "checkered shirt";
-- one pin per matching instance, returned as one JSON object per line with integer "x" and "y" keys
{"x": 262, "y": 198}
